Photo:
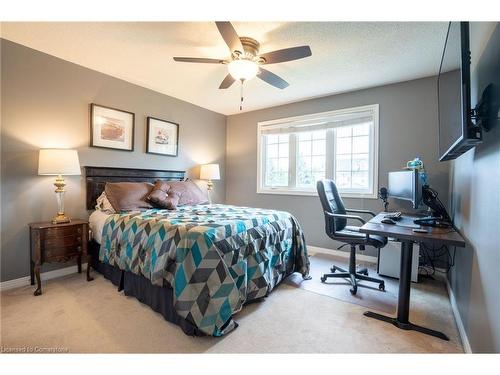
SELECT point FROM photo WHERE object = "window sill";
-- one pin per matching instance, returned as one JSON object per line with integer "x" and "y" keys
{"x": 313, "y": 193}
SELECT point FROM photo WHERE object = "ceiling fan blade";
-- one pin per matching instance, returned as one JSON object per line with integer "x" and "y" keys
{"x": 287, "y": 54}
{"x": 272, "y": 79}
{"x": 199, "y": 60}
{"x": 227, "y": 82}
{"x": 230, "y": 36}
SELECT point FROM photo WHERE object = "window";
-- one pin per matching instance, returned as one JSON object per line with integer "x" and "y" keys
{"x": 342, "y": 145}
{"x": 311, "y": 158}
{"x": 277, "y": 159}
{"x": 352, "y": 157}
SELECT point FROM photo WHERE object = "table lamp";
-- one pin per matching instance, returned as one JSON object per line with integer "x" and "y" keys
{"x": 59, "y": 162}
{"x": 210, "y": 172}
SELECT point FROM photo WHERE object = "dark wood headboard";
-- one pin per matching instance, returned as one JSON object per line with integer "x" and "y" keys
{"x": 96, "y": 178}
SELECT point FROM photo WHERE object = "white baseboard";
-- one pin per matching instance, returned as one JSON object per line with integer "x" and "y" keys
{"x": 458, "y": 319}
{"x": 343, "y": 254}
{"x": 24, "y": 281}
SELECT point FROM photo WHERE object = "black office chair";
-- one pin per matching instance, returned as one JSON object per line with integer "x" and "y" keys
{"x": 337, "y": 229}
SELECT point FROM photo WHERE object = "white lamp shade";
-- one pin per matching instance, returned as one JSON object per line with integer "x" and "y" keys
{"x": 243, "y": 69}
{"x": 210, "y": 172}
{"x": 58, "y": 162}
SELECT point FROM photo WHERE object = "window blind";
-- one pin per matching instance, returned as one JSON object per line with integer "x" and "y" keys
{"x": 329, "y": 122}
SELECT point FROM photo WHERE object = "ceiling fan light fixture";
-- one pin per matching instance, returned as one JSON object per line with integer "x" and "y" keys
{"x": 243, "y": 69}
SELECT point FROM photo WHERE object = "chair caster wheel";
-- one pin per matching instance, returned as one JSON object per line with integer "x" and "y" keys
{"x": 353, "y": 290}
{"x": 381, "y": 286}
{"x": 323, "y": 279}
{"x": 333, "y": 269}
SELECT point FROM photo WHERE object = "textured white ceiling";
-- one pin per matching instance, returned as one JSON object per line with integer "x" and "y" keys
{"x": 345, "y": 56}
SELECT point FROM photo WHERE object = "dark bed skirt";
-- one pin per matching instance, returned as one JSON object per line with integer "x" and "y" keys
{"x": 160, "y": 299}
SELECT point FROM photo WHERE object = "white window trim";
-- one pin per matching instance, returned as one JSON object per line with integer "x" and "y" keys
{"x": 291, "y": 191}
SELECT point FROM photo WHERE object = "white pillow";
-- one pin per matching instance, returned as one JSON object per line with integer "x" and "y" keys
{"x": 104, "y": 205}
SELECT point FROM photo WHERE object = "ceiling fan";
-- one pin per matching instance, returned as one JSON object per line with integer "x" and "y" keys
{"x": 245, "y": 62}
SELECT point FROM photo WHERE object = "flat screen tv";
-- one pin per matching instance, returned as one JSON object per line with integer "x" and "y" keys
{"x": 457, "y": 133}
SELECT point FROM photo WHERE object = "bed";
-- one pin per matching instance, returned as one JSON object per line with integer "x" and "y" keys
{"x": 197, "y": 265}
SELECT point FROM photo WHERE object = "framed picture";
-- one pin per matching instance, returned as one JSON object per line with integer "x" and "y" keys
{"x": 111, "y": 128}
{"x": 162, "y": 137}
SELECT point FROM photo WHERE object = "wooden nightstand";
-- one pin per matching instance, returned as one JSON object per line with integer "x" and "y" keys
{"x": 57, "y": 243}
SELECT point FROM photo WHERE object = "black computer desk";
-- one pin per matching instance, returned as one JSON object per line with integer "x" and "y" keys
{"x": 403, "y": 232}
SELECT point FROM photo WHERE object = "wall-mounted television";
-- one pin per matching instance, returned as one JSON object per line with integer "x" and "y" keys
{"x": 457, "y": 133}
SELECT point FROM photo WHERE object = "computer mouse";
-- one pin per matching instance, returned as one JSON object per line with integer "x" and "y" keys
{"x": 388, "y": 221}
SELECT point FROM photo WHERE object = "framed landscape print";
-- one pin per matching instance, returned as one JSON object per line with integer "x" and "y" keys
{"x": 111, "y": 128}
{"x": 162, "y": 137}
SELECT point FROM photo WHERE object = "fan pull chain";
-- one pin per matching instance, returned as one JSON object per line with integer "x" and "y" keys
{"x": 241, "y": 95}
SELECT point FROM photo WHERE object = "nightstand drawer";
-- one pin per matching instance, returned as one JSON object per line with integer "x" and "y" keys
{"x": 62, "y": 231}
{"x": 56, "y": 252}
{"x": 72, "y": 240}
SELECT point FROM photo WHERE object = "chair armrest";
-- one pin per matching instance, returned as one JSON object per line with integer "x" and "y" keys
{"x": 360, "y": 211}
{"x": 341, "y": 216}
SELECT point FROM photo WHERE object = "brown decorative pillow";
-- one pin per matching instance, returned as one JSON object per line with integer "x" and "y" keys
{"x": 187, "y": 192}
{"x": 160, "y": 197}
{"x": 172, "y": 200}
{"x": 128, "y": 196}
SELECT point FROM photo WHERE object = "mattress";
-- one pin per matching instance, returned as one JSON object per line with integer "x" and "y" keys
{"x": 97, "y": 220}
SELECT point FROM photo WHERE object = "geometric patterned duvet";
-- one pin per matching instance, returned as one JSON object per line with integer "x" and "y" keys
{"x": 214, "y": 257}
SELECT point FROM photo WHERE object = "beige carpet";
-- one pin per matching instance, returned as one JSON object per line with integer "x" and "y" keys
{"x": 368, "y": 294}
{"x": 75, "y": 316}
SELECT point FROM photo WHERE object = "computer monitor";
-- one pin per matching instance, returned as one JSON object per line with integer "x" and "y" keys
{"x": 405, "y": 185}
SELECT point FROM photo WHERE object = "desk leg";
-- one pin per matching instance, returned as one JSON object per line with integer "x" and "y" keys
{"x": 405, "y": 283}
{"x": 402, "y": 320}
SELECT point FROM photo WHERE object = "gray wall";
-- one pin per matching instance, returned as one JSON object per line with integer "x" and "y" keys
{"x": 475, "y": 198}
{"x": 408, "y": 128}
{"x": 45, "y": 103}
